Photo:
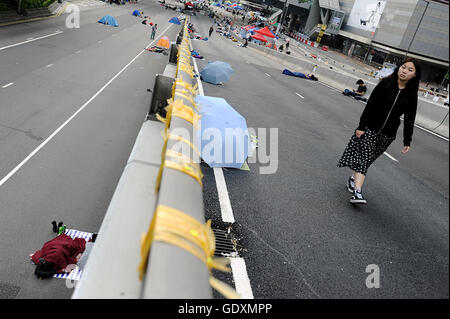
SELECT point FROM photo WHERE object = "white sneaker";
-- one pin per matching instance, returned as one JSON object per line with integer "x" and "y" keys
{"x": 357, "y": 198}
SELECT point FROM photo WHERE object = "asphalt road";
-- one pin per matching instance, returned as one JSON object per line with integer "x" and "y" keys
{"x": 299, "y": 236}
{"x": 298, "y": 233}
{"x": 73, "y": 176}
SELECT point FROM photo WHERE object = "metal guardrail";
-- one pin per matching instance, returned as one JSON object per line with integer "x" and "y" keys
{"x": 156, "y": 244}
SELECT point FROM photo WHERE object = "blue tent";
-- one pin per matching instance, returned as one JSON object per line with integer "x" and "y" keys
{"x": 109, "y": 20}
{"x": 136, "y": 13}
{"x": 222, "y": 133}
{"x": 175, "y": 20}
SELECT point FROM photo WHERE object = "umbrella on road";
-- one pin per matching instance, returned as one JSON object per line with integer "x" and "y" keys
{"x": 216, "y": 72}
{"x": 163, "y": 43}
{"x": 136, "y": 13}
{"x": 109, "y": 20}
{"x": 175, "y": 20}
{"x": 222, "y": 133}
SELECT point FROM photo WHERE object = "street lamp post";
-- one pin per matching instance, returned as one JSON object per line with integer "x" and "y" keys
{"x": 418, "y": 25}
{"x": 282, "y": 17}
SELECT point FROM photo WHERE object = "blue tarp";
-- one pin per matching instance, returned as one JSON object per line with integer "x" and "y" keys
{"x": 109, "y": 20}
{"x": 175, "y": 20}
{"x": 222, "y": 133}
{"x": 299, "y": 75}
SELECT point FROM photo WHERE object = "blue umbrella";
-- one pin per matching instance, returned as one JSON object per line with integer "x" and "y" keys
{"x": 136, "y": 13}
{"x": 175, "y": 20}
{"x": 216, "y": 72}
{"x": 222, "y": 133}
{"x": 109, "y": 20}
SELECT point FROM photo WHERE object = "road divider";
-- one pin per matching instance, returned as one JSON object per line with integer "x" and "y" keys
{"x": 165, "y": 249}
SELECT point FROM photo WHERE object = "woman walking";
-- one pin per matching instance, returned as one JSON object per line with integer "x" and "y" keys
{"x": 394, "y": 96}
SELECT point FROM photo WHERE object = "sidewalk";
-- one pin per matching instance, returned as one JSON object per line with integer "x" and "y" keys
{"x": 12, "y": 17}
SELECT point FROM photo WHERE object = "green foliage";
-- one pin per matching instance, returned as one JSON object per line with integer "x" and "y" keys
{"x": 31, "y": 4}
{"x": 3, "y": 7}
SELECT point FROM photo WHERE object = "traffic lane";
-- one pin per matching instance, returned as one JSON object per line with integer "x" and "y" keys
{"x": 73, "y": 177}
{"x": 428, "y": 158}
{"x": 20, "y": 60}
{"x": 282, "y": 181}
{"x": 419, "y": 236}
{"x": 54, "y": 94}
{"x": 421, "y": 204}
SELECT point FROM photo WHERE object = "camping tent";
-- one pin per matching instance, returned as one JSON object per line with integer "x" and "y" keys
{"x": 175, "y": 20}
{"x": 266, "y": 32}
{"x": 163, "y": 43}
{"x": 259, "y": 37}
{"x": 109, "y": 20}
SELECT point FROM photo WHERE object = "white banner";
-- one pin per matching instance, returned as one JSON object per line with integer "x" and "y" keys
{"x": 366, "y": 14}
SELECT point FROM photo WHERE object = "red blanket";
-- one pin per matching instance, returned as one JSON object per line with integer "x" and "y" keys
{"x": 61, "y": 251}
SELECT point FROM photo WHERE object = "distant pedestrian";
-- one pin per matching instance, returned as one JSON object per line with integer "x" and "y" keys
{"x": 394, "y": 96}
{"x": 211, "y": 29}
{"x": 287, "y": 44}
{"x": 359, "y": 92}
{"x": 154, "y": 28}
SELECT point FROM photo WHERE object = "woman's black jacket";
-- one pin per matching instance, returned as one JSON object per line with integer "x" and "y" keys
{"x": 382, "y": 115}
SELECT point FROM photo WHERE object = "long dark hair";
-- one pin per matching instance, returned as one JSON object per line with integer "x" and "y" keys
{"x": 413, "y": 84}
{"x": 44, "y": 269}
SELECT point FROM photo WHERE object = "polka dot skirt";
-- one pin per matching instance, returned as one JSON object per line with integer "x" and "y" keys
{"x": 360, "y": 153}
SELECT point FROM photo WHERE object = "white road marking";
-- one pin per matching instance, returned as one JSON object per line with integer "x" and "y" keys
{"x": 390, "y": 156}
{"x": 78, "y": 51}
{"x": 224, "y": 200}
{"x": 241, "y": 278}
{"x": 50, "y": 65}
{"x": 9, "y": 84}
{"x": 45, "y": 36}
{"x": 14, "y": 170}
{"x": 268, "y": 75}
{"x": 238, "y": 267}
{"x": 431, "y": 132}
{"x": 300, "y": 95}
